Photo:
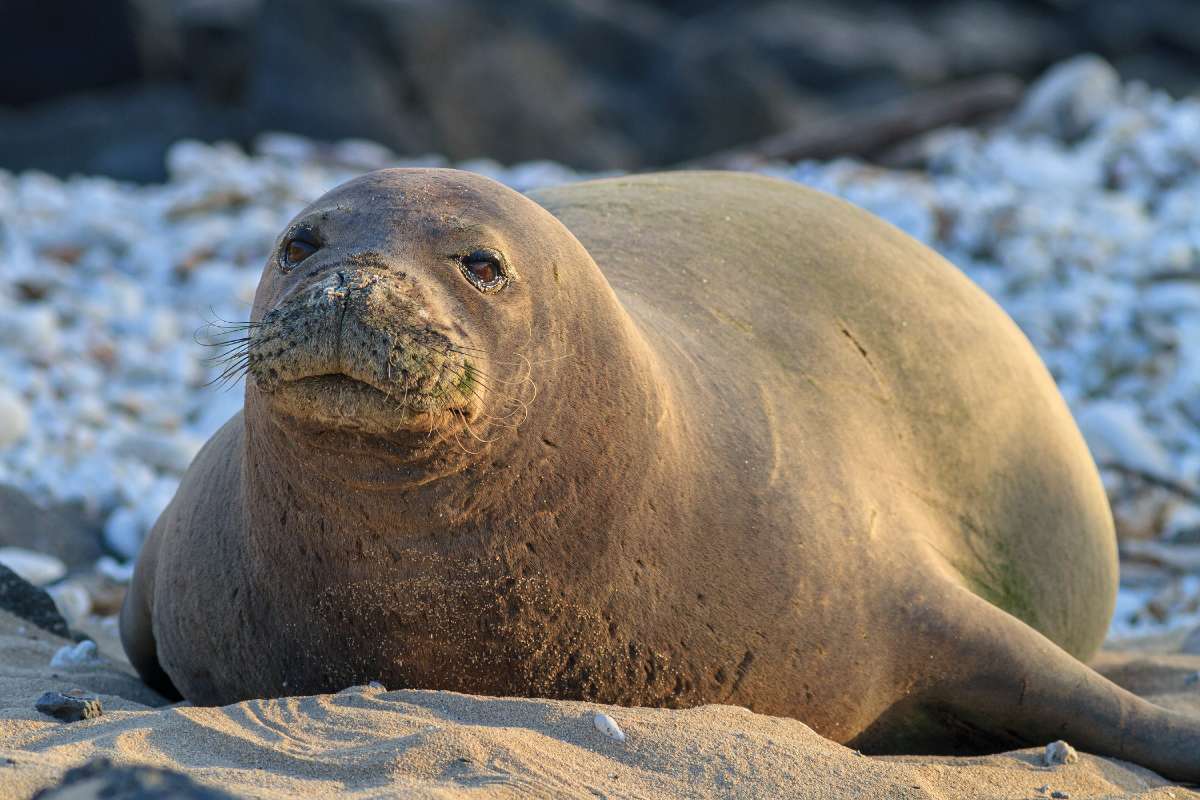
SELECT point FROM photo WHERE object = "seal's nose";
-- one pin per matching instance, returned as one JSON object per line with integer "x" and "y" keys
{"x": 337, "y": 287}
{"x": 336, "y": 291}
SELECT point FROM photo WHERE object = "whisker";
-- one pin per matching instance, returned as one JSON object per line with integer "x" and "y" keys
{"x": 524, "y": 360}
{"x": 493, "y": 377}
{"x": 461, "y": 375}
{"x": 226, "y": 381}
{"x": 239, "y": 352}
{"x": 515, "y": 404}
{"x": 223, "y": 342}
{"x": 240, "y": 365}
{"x": 213, "y": 313}
{"x": 467, "y": 425}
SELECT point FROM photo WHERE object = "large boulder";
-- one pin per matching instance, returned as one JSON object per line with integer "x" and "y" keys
{"x": 64, "y": 531}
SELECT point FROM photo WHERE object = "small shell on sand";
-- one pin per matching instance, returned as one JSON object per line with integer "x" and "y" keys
{"x": 1059, "y": 753}
{"x": 608, "y": 726}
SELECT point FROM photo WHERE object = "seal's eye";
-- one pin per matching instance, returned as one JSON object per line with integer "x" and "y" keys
{"x": 302, "y": 245}
{"x": 483, "y": 268}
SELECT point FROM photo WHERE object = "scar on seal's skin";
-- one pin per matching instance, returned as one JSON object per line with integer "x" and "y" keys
{"x": 862, "y": 351}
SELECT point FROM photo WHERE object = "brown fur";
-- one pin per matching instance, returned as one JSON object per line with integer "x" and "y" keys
{"x": 733, "y": 441}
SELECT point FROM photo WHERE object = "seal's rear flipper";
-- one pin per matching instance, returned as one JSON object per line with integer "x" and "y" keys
{"x": 1004, "y": 685}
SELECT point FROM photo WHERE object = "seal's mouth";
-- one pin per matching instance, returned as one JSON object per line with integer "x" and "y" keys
{"x": 336, "y": 381}
{"x": 359, "y": 354}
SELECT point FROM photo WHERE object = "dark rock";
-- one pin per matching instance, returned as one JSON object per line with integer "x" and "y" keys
{"x": 55, "y": 47}
{"x": 21, "y": 598}
{"x": 65, "y": 531}
{"x": 456, "y": 77}
{"x": 596, "y": 84}
{"x": 214, "y": 45}
{"x": 122, "y": 132}
{"x": 70, "y": 706}
{"x": 100, "y": 779}
{"x": 987, "y": 37}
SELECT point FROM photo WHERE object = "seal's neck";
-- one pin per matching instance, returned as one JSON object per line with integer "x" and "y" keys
{"x": 588, "y": 445}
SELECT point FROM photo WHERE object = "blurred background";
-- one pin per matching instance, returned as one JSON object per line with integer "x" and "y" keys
{"x": 105, "y": 86}
{"x": 151, "y": 151}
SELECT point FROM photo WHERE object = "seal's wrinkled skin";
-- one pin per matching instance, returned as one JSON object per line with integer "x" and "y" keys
{"x": 687, "y": 438}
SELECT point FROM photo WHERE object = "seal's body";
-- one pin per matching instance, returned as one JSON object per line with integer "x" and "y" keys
{"x": 661, "y": 440}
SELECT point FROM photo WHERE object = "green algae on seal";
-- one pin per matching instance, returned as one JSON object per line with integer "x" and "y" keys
{"x": 659, "y": 440}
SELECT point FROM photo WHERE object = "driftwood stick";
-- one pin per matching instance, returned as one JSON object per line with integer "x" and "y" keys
{"x": 1179, "y": 557}
{"x": 1170, "y": 276}
{"x": 1189, "y": 493}
{"x": 870, "y": 131}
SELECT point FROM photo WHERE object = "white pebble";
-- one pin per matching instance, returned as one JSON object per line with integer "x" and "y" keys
{"x": 76, "y": 655}
{"x": 1115, "y": 432}
{"x": 1183, "y": 519}
{"x": 363, "y": 154}
{"x": 14, "y": 418}
{"x": 124, "y": 531}
{"x": 37, "y": 568}
{"x": 1059, "y": 752}
{"x": 73, "y": 601}
{"x": 1070, "y": 98}
{"x": 114, "y": 570}
{"x": 172, "y": 453}
{"x": 33, "y": 331}
{"x": 608, "y": 726}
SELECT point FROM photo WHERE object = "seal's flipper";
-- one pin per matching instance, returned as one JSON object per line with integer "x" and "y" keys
{"x": 1009, "y": 686}
{"x": 137, "y": 632}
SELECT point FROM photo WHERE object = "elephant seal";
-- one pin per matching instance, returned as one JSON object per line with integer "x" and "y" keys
{"x": 660, "y": 440}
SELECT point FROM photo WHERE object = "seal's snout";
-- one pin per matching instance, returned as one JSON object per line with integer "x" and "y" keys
{"x": 359, "y": 333}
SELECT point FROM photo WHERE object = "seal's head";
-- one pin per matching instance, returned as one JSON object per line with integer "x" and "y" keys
{"x": 403, "y": 300}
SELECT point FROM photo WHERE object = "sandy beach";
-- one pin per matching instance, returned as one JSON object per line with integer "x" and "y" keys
{"x": 368, "y": 742}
